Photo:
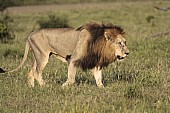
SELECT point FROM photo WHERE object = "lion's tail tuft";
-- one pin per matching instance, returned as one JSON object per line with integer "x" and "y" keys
{"x": 22, "y": 62}
{"x": 2, "y": 71}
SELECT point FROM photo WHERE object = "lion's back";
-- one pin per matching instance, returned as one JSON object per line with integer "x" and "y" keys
{"x": 62, "y": 40}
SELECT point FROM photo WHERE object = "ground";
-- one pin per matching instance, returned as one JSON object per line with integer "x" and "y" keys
{"x": 139, "y": 84}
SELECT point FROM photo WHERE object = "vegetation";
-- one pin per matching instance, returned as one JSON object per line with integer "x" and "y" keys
{"x": 7, "y": 3}
{"x": 6, "y": 32}
{"x": 53, "y": 22}
{"x": 139, "y": 84}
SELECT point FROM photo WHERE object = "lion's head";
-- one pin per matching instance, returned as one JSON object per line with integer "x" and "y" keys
{"x": 116, "y": 43}
{"x": 107, "y": 44}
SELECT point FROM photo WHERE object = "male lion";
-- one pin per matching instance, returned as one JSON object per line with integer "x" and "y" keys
{"x": 92, "y": 46}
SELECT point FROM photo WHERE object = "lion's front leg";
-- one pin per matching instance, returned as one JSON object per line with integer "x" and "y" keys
{"x": 71, "y": 75}
{"x": 98, "y": 76}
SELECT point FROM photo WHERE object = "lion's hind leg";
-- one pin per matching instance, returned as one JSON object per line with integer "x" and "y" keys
{"x": 41, "y": 62}
{"x": 41, "y": 55}
{"x": 31, "y": 75}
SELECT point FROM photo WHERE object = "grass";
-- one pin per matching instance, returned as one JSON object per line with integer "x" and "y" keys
{"x": 139, "y": 84}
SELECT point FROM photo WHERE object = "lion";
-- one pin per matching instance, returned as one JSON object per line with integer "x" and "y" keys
{"x": 92, "y": 46}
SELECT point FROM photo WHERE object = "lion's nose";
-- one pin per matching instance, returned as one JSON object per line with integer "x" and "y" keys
{"x": 127, "y": 53}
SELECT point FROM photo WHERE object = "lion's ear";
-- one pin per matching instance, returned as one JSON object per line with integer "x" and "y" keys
{"x": 106, "y": 36}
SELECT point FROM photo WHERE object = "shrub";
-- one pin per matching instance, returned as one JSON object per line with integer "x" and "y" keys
{"x": 149, "y": 18}
{"x": 12, "y": 53}
{"x": 53, "y": 22}
{"x": 6, "y": 33}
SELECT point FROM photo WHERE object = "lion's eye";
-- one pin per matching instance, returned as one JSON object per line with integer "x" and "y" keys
{"x": 119, "y": 43}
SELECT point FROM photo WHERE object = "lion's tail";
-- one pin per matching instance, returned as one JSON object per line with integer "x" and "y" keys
{"x": 22, "y": 62}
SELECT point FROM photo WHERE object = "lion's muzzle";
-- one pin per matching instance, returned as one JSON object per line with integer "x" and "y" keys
{"x": 121, "y": 57}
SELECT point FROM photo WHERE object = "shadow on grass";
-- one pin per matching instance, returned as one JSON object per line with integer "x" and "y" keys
{"x": 79, "y": 80}
{"x": 125, "y": 76}
{"x": 109, "y": 77}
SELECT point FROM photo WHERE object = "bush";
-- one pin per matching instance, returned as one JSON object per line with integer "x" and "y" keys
{"x": 6, "y": 33}
{"x": 53, "y": 22}
{"x": 10, "y": 53}
{"x": 6, "y": 3}
{"x": 149, "y": 18}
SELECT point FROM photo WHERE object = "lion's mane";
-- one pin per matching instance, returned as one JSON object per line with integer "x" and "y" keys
{"x": 98, "y": 54}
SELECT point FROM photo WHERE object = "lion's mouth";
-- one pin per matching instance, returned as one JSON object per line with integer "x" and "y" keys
{"x": 119, "y": 58}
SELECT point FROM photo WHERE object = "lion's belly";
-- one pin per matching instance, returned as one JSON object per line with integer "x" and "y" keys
{"x": 64, "y": 49}
{"x": 65, "y": 43}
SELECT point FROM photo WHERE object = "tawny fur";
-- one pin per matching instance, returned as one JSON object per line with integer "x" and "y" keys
{"x": 91, "y": 46}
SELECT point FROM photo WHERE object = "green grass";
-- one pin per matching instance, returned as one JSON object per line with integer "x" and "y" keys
{"x": 139, "y": 84}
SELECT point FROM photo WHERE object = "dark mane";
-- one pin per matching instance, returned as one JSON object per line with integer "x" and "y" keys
{"x": 96, "y": 55}
{"x": 97, "y": 29}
